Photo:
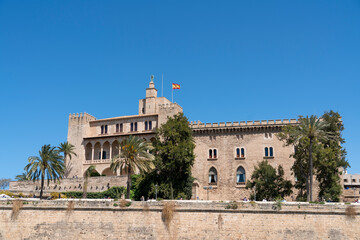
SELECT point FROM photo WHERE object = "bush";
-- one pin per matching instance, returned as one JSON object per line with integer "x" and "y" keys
{"x": 55, "y": 195}
{"x": 113, "y": 192}
{"x": 232, "y": 205}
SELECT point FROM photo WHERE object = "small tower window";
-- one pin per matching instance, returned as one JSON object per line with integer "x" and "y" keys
{"x": 105, "y": 129}
{"x": 117, "y": 127}
{"x": 215, "y": 153}
{"x": 135, "y": 126}
{"x": 102, "y": 129}
{"x": 150, "y": 125}
{"x": 238, "y": 152}
{"x": 271, "y": 152}
{"x": 210, "y": 153}
{"x": 131, "y": 127}
{"x": 146, "y": 125}
{"x": 121, "y": 127}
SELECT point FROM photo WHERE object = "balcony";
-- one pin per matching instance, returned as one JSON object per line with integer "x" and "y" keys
{"x": 97, "y": 161}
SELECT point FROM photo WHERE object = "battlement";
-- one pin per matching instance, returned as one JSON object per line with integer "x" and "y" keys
{"x": 168, "y": 106}
{"x": 199, "y": 124}
{"x": 82, "y": 118}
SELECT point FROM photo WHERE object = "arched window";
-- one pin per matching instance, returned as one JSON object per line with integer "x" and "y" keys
{"x": 210, "y": 153}
{"x": 146, "y": 125}
{"x": 271, "y": 152}
{"x": 240, "y": 175}
{"x": 242, "y": 152}
{"x": 238, "y": 152}
{"x": 212, "y": 176}
{"x": 215, "y": 153}
{"x": 266, "y": 152}
{"x": 104, "y": 155}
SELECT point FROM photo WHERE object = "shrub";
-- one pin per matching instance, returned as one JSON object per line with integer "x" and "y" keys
{"x": 167, "y": 213}
{"x": 70, "y": 206}
{"x": 232, "y": 205}
{"x": 124, "y": 203}
{"x": 113, "y": 192}
{"x": 350, "y": 212}
{"x": 17, "y": 205}
{"x": 55, "y": 195}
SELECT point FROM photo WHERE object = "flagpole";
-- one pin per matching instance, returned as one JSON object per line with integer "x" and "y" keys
{"x": 162, "y": 84}
{"x": 172, "y": 94}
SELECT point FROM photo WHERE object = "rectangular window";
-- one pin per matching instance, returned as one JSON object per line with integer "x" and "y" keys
{"x": 131, "y": 127}
{"x": 102, "y": 129}
{"x": 121, "y": 127}
{"x": 105, "y": 129}
{"x": 354, "y": 180}
{"x": 150, "y": 125}
{"x": 136, "y": 126}
{"x": 117, "y": 127}
{"x": 146, "y": 125}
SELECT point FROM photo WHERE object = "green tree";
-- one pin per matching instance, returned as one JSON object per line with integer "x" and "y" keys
{"x": 134, "y": 156}
{"x": 331, "y": 159}
{"x": 22, "y": 177}
{"x": 269, "y": 183}
{"x": 68, "y": 150}
{"x": 49, "y": 165}
{"x": 86, "y": 179}
{"x": 309, "y": 138}
{"x": 174, "y": 158}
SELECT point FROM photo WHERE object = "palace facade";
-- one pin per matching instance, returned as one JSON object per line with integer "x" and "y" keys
{"x": 226, "y": 152}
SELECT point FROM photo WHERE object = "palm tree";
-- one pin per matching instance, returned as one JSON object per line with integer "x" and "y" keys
{"x": 22, "y": 177}
{"x": 134, "y": 156}
{"x": 68, "y": 150}
{"x": 312, "y": 128}
{"x": 49, "y": 165}
{"x": 86, "y": 178}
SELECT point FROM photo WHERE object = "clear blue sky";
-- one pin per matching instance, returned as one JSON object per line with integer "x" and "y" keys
{"x": 235, "y": 61}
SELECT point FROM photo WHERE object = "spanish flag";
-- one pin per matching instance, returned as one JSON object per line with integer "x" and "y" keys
{"x": 175, "y": 86}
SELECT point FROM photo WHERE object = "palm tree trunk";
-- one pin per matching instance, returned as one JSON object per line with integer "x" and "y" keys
{"x": 128, "y": 184}
{"x": 42, "y": 185}
{"x": 310, "y": 170}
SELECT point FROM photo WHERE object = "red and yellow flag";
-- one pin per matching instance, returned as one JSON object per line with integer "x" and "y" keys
{"x": 175, "y": 86}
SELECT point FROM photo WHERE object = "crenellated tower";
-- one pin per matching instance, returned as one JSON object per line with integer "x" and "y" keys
{"x": 77, "y": 130}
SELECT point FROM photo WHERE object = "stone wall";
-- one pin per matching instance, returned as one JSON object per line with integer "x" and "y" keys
{"x": 191, "y": 220}
{"x": 95, "y": 184}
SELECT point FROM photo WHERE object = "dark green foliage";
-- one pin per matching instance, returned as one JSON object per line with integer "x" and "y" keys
{"x": 174, "y": 158}
{"x": 331, "y": 159}
{"x": 95, "y": 174}
{"x": 113, "y": 192}
{"x": 270, "y": 184}
{"x": 327, "y": 154}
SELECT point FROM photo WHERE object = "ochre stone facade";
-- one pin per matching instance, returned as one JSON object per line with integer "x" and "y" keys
{"x": 196, "y": 220}
{"x": 236, "y": 147}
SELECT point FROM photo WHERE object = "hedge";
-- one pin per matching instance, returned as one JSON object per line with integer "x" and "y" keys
{"x": 113, "y": 192}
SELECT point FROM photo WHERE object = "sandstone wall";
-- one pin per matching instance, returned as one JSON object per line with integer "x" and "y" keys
{"x": 195, "y": 220}
{"x": 95, "y": 184}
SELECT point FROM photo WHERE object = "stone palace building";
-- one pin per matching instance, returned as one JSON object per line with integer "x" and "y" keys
{"x": 226, "y": 152}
